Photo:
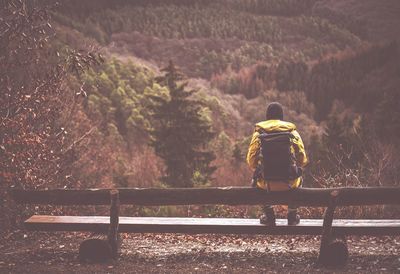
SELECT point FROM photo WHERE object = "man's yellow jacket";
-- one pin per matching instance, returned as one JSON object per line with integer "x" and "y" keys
{"x": 297, "y": 148}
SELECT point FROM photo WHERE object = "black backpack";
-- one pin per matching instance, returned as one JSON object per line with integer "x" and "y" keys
{"x": 278, "y": 163}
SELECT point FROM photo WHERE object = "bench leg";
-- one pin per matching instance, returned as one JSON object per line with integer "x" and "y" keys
{"x": 333, "y": 252}
{"x": 114, "y": 223}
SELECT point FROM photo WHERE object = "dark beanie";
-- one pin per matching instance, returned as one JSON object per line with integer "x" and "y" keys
{"x": 274, "y": 111}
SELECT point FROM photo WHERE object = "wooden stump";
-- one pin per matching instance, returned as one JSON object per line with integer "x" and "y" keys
{"x": 336, "y": 254}
{"x": 96, "y": 249}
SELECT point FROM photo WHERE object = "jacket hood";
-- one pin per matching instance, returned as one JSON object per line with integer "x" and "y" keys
{"x": 276, "y": 126}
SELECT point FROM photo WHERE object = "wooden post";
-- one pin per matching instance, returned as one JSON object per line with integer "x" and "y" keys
{"x": 332, "y": 253}
{"x": 101, "y": 247}
{"x": 114, "y": 222}
{"x": 327, "y": 224}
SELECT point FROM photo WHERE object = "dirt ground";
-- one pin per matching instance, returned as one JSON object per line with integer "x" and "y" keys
{"x": 40, "y": 252}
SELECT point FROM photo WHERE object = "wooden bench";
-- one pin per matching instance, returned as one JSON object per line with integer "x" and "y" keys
{"x": 332, "y": 251}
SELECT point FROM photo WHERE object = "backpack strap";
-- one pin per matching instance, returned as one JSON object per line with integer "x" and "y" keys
{"x": 261, "y": 130}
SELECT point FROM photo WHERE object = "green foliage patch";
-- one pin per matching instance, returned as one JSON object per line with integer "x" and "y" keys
{"x": 117, "y": 98}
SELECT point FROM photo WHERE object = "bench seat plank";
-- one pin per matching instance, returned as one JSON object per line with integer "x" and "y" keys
{"x": 209, "y": 225}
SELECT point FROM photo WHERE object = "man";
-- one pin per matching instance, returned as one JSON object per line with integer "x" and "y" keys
{"x": 277, "y": 128}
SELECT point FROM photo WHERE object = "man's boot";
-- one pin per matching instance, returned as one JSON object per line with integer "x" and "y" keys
{"x": 268, "y": 217}
{"x": 293, "y": 218}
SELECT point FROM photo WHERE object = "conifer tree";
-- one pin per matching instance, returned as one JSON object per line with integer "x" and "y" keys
{"x": 180, "y": 133}
{"x": 387, "y": 117}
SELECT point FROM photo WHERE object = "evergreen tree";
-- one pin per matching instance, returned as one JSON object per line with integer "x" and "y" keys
{"x": 180, "y": 133}
{"x": 237, "y": 156}
{"x": 387, "y": 117}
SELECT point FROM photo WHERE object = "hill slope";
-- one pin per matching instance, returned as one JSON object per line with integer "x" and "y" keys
{"x": 381, "y": 19}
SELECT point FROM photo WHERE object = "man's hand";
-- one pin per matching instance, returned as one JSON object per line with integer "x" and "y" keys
{"x": 256, "y": 175}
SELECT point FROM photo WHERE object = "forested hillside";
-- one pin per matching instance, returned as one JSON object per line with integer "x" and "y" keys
{"x": 314, "y": 58}
{"x": 94, "y": 123}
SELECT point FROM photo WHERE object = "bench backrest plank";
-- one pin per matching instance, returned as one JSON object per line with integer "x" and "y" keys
{"x": 225, "y": 195}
